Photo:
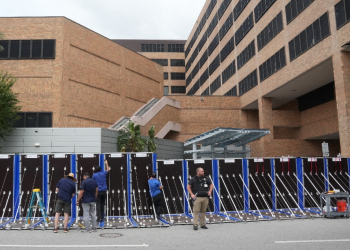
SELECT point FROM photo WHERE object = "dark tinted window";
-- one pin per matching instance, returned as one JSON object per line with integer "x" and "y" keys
{"x": 223, "y": 7}
{"x": 316, "y": 97}
{"x": 214, "y": 64}
{"x": 231, "y": 92}
{"x": 25, "y": 49}
{"x": 270, "y": 31}
{"x": 176, "y": 48}
{"x": 31, "y": 120}
{"x": 228, "y": 72}
{"x": 213, "y": 44}
{"x": 230, "y": 45}
{"x": 246, "y": 55}
{"x": 5, "y": 52}
{"x": 177, "y": 76}
{"x": 45, "y": 120}
{"x": 36, "y": 49}
{"x": 166, "y": 75}
{"x": 14, "y": 49}
{"x": 152, "y": 47}
{"x": 162, "y": 62}
{"x": 244, "y": 28}
{"x": 178, "y": 89}
{"x": 206, "y": 92}
{"x": 226, "y": 26}
{"x": 272, "y": 65}
{"x": 20, "y": 122}
{"x": 261, "y": 8}
{"x": 177, "y": 62}
{"x": 248, "y": 83}
{"x": 215, "y": 85}
{"x": 49, "y": 48}
{"x": 241, "y": 4}
{"x": 295, "y": 7}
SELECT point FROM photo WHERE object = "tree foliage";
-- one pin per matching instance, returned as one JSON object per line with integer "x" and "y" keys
{"x": 1, "y": 37}
{"x": 8, "y": 104}
{"x": 130, "y": 139}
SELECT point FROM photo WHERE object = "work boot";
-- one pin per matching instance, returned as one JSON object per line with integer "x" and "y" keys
{"x": 204, "y": 227}
{"x": 195, "y": 227}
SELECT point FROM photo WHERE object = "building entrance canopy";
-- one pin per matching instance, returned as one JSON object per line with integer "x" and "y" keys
{"x": 222, "y": 137}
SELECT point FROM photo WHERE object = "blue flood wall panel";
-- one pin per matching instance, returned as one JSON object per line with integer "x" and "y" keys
{"x": 73, "y": 169}
{"x": 45, "y": 180}
{"x": 184, "y": 176}
{"x": 273, "y": 188}
{"x": 245, "y": 179}
{"x": 101, "y": 160}
{"x": 16, "y": 177}
{"x": 299, "y": 167}
{"x": 154, "y": 162}
{"x": 215, "y": 170}
{"x": 325, "y": 167}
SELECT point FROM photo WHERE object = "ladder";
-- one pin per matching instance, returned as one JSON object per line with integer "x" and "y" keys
{"x": 37, "y": 195}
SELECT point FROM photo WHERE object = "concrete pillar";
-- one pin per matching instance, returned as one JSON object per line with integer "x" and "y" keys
{"x": 194, "y": 147}
{"x": 266, "y": 122}
{"x": 341, "y": 69}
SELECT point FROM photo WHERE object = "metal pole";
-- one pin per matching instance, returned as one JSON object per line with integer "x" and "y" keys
{"x": 250, "y": 195}
{"x": 160, "y": 180}
{"x": 262, "y": 196}
{"x": 219, "y": 197}
{"x": 230, "y": 196}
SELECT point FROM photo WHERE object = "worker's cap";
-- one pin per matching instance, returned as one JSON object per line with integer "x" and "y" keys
{"x": 72, "y": 176}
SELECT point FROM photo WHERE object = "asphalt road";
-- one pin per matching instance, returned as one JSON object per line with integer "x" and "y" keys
{"x": 252, "y": 235}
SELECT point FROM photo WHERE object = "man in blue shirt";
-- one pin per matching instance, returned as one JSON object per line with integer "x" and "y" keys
{"x": 89, "y": 192}
{"x": 156, "y": 194}
{"x": 66, "y": 191}
{"x": 100, "y": 178}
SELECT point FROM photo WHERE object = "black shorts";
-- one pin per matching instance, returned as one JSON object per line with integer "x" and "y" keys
{"x": 63, "y": 205}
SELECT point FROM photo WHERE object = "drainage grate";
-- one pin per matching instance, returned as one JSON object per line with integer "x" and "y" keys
{"x": 115, "y": 235}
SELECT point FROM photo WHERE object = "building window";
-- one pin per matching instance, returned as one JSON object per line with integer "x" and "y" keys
{"x": 28, "y": 49}
{"x": 161, "y": 62}
{"x": 212, "y": 25}
{"x": 211, "y": 7}
{"x": 215, "y": 85}
{"x": 244, "y": 28}
{"x": 309, "y": 37}
{"x": 342, "y": 13}
{"x": 166, "y": 75}
{"x": 239, "y": 8}
{"x": 316, "y": 97}
{"x": 204, "y": 77}
{"x": 176, "y": 47}
{"x": 177, "y": 62}
{"x": 295, "y": 7}
{"x": 246, "y": 55}
{"x": 270, "y": 31}
{"x": 226, "y": 26}
{"x": 213, "y": 44}
{"x": 202, "y": 41}
{"x": 214, "y": 64}
{"x": 188, "y": 80}
{"x": 178, "y": 89}
{"x": 166, "y": 90}
{"x": 248, "y": 83}
{"x": 203, "y": 59}
{"x": 261, "y": 8}
{"x": 195, "y": 70}
{"x": 34, "y": 120}
{"x": 223, "y": 7}
{"x": 231, "y": 92}
{"x": 194, "y": 88}
{"x": 177, "y": 76}
{"x": 152, "y": 47}
{"x": 206, "y": 92}
{"x": 230, "y": 45}
{"x": 228, "y": 72}
{"x": 272, "y": 65}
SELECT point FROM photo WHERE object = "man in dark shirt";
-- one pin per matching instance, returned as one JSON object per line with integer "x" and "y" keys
{"x": 100, "y": 178}
{"x": 66, "y": 191}
{"x": 156, "y": 194}
{"x": 200, "y": 188}
{"x": 88, "y": 191}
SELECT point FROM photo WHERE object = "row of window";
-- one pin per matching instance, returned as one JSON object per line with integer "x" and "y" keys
{"x": 175, "y": 90}
{"x": 273, "y": 64}
{"x": 28, "y": 49}
{"x": 246, "y": 55}
{"x": 212, "y": 25}
{"x": 248, "y": 83}
{"x": 244, "y": 28}
{"x": 203, "y": 59}
{"x": 206, "y": 92}
{"x": 231, "y": 92}
{"x": 215, "y": 85}
{"x": 223, "y": 7}
{"x": 176, "y": 48}
{"x": 152, "y": 47}
{"x": 226, "y": 26}
{"x": 342, "y": 13}
{"x": 270, "y": 31}
{"x": 213, "y": 44}
{"x": 214, "y": 64}
{"x": 295, "y": 7}
{"x": 239, "y": 8}
{"x": 177, "y": 76}
{"x": 309, "y": 37}
{"x": 202, "y": 41}
{"x": 228, "y": 72}
{"x": 204, "y": 77}
{"x": 173, "y": 62}
{"x": 227, "y": 49}
{"x": 34, "y": 120}
{"x": 261, "y": 8}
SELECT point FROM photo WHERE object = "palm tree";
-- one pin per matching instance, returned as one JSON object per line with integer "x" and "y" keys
{"x": 130, "y": 140}
{"x": 152, "y": 147}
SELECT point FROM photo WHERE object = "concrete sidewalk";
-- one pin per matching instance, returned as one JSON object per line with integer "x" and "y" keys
{"x": 251, "y": 235}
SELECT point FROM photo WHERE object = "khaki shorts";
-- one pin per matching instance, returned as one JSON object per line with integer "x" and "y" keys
{"x": 63, "y": 205}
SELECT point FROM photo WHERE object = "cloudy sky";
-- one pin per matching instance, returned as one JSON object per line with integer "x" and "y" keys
{"x": 117, "y": 19}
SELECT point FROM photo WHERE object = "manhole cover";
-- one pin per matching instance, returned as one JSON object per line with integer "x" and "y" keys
{"x": 111, "y": 235}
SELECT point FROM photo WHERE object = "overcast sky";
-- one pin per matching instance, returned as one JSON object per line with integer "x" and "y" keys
{"x": 117, "y": 19}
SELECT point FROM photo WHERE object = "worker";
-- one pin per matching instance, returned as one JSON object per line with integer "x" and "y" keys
{"x": 200, "y": 188}
{"x": 65, "y": 190}
{"x": 100, "y": 178}
{"x": 88, "y": 193}
{"x": 156, "y": 195}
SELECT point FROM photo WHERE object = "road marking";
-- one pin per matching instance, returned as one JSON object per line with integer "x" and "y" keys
{"x": 73, "y": 246}
{"x": 312, "y": 241}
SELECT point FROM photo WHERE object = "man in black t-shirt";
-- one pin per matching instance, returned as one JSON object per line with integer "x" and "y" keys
{"x": 200, "y": 188}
